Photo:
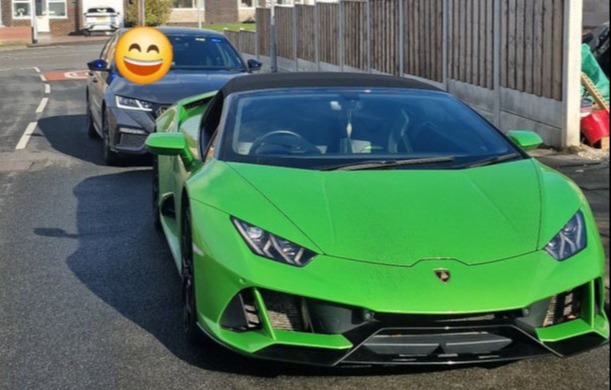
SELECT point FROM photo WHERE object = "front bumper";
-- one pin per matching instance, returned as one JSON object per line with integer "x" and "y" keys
{"x": 130, "y": 128}
{"x": 352, "y": 312}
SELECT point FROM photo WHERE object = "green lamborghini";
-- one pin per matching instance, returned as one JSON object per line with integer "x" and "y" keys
{"x": 348, "y": 219}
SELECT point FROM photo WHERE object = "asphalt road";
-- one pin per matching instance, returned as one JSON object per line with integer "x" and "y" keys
{"x": 89, "y": 296}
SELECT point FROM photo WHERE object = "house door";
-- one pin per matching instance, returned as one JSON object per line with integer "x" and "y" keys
{"x": 42, "y": 16}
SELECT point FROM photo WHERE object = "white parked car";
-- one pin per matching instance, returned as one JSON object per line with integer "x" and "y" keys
{"x": 101, "y": 19}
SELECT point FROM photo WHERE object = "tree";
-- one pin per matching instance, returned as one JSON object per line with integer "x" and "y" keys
{"x": 157, "y": 12}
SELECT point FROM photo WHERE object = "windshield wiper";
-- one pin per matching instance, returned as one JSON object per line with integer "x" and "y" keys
{"x": 494, "y": 160}
{"x": 389, "y": 164}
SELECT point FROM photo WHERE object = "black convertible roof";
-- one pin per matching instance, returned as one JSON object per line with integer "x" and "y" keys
{"x": 320, "y": 79}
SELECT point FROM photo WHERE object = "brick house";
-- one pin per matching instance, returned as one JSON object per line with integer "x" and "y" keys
{"x": 186, "y": 12}
{"x": 58, "y": 17}
{"x": 65, "y": 17}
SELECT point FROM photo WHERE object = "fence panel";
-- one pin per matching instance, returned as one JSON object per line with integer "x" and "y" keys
{"x": 329, "y": 32}
{"x": 263, "y": 17}
{"x": 355, "y": 34}
{"x": 284, "y": 28}
{"x": 306, "y": 24}
{"x": 423, "y": 37}
{"x": 234, "y": 38}
{"x": 532, "y": 46}
{"x": 248, "y": 42}
{"x": 385, "y": 36}
{"x": 471, "y": 57}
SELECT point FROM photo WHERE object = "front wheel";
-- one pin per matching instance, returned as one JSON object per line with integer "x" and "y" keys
{"x": 189, "y": 313}
{"x": 110, "y": 157}
{"x": 91, "y": 132}
{"x": 156, "y": 211}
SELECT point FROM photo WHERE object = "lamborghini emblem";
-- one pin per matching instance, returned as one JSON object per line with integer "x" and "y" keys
{"x": 443, "y": 275}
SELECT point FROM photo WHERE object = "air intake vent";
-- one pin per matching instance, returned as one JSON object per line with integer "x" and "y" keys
{"x": 564, "y": 307}
{"x": 241, "y": 313}
{"x": 283, "y": 311}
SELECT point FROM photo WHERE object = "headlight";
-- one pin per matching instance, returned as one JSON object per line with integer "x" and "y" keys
{"x": 133, "y": 104}
{"x": 276, "y": 248}
{"x": 570, "y": 240}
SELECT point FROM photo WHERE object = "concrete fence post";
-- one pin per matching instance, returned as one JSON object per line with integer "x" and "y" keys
{"x": 273, "y": 50}
{"x": 401, "y": 38}
{"x": 341, "y": 35}
{"x": 295, "y": 38}
{"x": 571, "y": 93}
{"x": 497, "y": 63}
{"x": 317, "y": 35}
{"x": 241, "y": 40}
{"x": 369, "y": 36}
{"x": 445, "y": 44}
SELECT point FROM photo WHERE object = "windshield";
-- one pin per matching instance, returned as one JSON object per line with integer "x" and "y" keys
{"x": 334, "y": 128}
{"x": 192, "y": 52}
{"x": 101, "y": 10}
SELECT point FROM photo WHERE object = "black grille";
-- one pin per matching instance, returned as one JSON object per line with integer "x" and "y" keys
{"x": 132, "y": 141}
{"x": 446, "y": 345}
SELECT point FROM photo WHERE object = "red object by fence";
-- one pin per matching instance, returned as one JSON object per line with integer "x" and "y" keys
{"x": 595, "y": 127}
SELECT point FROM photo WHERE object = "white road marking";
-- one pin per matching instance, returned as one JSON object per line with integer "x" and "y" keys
{"x": 42, "y": 105}
{"x": 23, "y": 141}
{"x": 47, "y": 88}
{"x": 13, "y": 69}
{"x": 37, "y": 69}
{"x": 43, "y": 78}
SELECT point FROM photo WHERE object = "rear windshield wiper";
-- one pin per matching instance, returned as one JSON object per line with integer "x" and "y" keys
{"x": 390, "y": 164}
{"x": 494, "y": 160}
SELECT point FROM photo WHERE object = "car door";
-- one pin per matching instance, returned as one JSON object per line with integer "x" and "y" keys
{"x": 97, "y": 82}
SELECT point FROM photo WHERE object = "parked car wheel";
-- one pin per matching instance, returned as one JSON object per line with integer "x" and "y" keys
{"x": 110, "y": 157}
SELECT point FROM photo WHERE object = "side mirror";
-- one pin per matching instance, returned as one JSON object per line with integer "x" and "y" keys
{"x": 98, "y": 65}
{"x": 170, "y": 144}
{"x": 254, "y": 65}
{"x": 527, "y": 140}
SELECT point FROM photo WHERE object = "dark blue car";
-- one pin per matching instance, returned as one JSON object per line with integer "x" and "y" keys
{"x": 123, "y": 113}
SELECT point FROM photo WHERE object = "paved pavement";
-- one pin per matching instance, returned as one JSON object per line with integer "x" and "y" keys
{"x": 89, "y": 297}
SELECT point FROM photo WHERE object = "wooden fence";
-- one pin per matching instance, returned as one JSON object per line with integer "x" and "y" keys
{"x": 468, "y": 47}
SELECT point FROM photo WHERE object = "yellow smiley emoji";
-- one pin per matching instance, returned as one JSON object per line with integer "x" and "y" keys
{"x": 144, "y": 55}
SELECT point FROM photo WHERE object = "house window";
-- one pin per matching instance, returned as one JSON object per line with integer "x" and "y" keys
{"x": 247, "y": 3}
{"x": 185, "y": 4}
{"x": 57, "y": 9}
{"x": 21, "y": 9}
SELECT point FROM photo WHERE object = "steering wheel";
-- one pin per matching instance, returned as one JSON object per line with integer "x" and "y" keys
{"x": 424, "y": 127}
{"x": 296, "y": 143}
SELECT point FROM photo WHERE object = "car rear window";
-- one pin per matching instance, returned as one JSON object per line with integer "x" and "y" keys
{"x": 101, "y": 10}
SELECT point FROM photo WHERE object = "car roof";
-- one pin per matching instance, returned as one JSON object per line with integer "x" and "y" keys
{"x": 190, "y": 31}
{"x": 320, "y": 80}
{"x": 184, "y": 31}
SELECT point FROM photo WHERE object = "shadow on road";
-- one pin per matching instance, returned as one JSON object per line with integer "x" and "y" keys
{"x": 124, "y": 261}
{"x": 68, "y": 135}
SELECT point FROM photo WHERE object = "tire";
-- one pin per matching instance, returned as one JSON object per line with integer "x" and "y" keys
{"x": 156, "y": 211}
{"x": 91, "y": 132}
{"x": 189, "y": 313}
{"x": 110, "y": 157}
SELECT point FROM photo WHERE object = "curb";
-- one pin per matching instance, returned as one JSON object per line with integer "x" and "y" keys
{"x": 67, "y": 43}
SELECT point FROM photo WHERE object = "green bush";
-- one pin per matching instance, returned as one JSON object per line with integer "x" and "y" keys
{"x": 156, "y": 12}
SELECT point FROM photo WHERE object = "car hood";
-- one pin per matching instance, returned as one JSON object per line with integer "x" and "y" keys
{"x": 175, "y": 85}
{"x": 401, "y": 217}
